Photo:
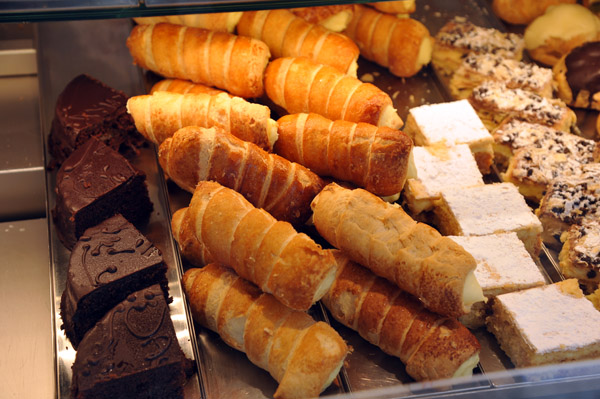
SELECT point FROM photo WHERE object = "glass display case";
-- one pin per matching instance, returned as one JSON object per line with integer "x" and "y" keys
{"x": 45, "y": 44}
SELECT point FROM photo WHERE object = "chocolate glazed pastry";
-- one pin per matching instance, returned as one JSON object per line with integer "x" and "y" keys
{"x": 578, "y": 76}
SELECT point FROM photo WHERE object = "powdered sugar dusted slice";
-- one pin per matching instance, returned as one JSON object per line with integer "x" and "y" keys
{"x": 451, "y": 123}
{"x": 432, "y": 168}
{"x": 488, "y": 209}
{"x": 549, "y": 324}
{"x": 496, "y": 272}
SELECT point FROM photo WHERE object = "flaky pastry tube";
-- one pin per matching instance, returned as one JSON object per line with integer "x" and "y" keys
{"x": 401, "y": 7}
{"x": 184, "y": 87}
{"x": 403, "y": 45}
{"x": 334, "y": 17}
{"x": 304, "y": 356}
{"x": 385, "y": 239}
{"x": 290, "y": 36}
{"x": 159, "y": 115}
{"x": 270, "y": 253}
{"x": 375, "y": 158}
{"x": 189, "y": 246}
{"x": 218, "y": 21}
{"x": 202, "y": 56}
{"x": 300, "y": 85}
{"x": 431, "y": 346}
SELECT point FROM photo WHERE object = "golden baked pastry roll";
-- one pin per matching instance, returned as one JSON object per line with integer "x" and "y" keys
{"x": 303, "y": 355}
{"x": 282, "y": 188}
{"x": 270, "y": 253}
{"x": 202, "y": 56}
{"x": 401, "y": 7}
{"x": 217, "y": 21}
{"x": 375, "y": 158}
{"x": 334, "y": 17}
{"x": 159, "y": 115}
{"x": 431, "y": 346}
{"x": 403, "y": 45}
{"x": 414, "y": 256}
{"x": 290, "y": 36}
{"x": 300, "y": 85}
{"x": 522, "y": 12}
{"x": 190, "y": 247}
{"x": 183, "y": 87}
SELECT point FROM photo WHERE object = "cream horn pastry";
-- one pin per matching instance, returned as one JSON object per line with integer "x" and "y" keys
{"x": 217, "y": 21}
{"x": 403, "y": 45}
{"x": 261, "y": 249}
{"x": 334, "y": 17}
{"x": 190, "y": 247}
{"x": 183, "y": 87}
{"x": 300, "y": 85}
{"x": 401, "y": 7}
{"x": 431, "y": 346}
{"x": 302, "y": 355}
{"x": 282, "y": 188}
{"x": 202, "y": 56}
{"x": 375, "y": 158}
{"x": 414, "y": 256}
{"x": 159, "y": 115}
{"x": 290, "y": 36}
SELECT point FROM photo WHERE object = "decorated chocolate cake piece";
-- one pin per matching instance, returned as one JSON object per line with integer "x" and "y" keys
{"x": 109, "y": 262}
{"x": 131, "y": 353}
{"x": 93, "y": 184}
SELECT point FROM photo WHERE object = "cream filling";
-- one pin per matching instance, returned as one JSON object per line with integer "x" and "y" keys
{"x": 425, "y": 52}
{"x": 337, "y": 22}
{"x": 352, "y": 69}
{"x": 466, "y": 369}
{"x": 272, "y": 133}
{"x": 389, "y": 117}
{"x": 472, "y": 291}
{"x": 331, "y": 376}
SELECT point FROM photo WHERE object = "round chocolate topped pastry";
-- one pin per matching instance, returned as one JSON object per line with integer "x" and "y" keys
{"x": 578, "y": 76}
{"x": 132, "y": 352}
{"x": 109, "y": 262}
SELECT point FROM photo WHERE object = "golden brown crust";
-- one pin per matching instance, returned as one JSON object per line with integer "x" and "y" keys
{"x": 370, "y": 157}
{"x": 390, "y": 41}
{"x": 315, "y": 15}
{"x": 430, "y": 345}
{"x": 282, "y": 188}
{"x": 390, "y": 243}
{"x": 189, "y": 246}
{"x": 395, "y": 7}
{"x": 522, "y": 12}
{"x": 183, "y": 87}
{"x": 259, "y": 248}
{"x": 218, "y": 21}
{"x": 201, "y": 56}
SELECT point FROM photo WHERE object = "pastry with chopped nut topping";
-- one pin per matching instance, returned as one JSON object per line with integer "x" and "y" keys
{"x": 580, "y": 254}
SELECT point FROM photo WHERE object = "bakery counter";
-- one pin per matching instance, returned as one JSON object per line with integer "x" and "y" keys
{"x": 97, "y": 47}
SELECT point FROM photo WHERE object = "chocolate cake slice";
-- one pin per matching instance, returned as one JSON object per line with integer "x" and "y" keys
{"x": 131, "y": 353}
{"x": 87, "y": 107}
{"x": 108, "y": 263}
{"x": 93, "y": 184}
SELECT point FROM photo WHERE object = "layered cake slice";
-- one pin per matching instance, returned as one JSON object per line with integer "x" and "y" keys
{"x": 109, "y": 262}
{"x": 476, "y": 68}
{"x": 488, "y": 209}
{"x": 451, "y": 123}
{"x": 567, "y": 201}
{"x": 432, "y": 168}
{"x": 132, "y": 352}
{"x": 514, "y": 134}
{"x": 89, "y": 108}
{"x": 458, "y": 37}
{"x": 549, "y": 324}
{"x": 94, "y": 183}
{"x": 580, "y": 255}
{"x": 496, "y": 272}
{"x": 494, "y": 102}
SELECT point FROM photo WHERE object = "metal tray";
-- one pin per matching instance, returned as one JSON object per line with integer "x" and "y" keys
{"x": 67, "y": 49}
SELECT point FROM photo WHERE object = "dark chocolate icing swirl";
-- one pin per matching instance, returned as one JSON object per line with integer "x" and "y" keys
{"x": 583, "y": 68}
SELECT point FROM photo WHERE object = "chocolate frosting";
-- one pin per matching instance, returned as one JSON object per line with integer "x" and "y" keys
{"x": 583, "y": 68}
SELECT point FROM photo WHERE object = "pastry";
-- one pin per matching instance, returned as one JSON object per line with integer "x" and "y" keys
{"x": 270, "y": 253}
{"x": 300, "y": 85}
{"x": 383, "y": 238}
{"x": 578, "y": 76}
{"x": 268, "y": 181}
{"x": 183, "y": 87}
{"x": 217, "y": 21}
{"x": 190, "y": 247}
{"x": 580, "y": 255}
{"x": 290, "y": 36}
{"x": 334, "y": 17}
{"x": 132, "y": 352}
{"x": 496, "y": 272}
{"x": 302, "y": 355}
{"x": 403, "y": 45}
{"x": 430, "y": 169}
{"x": 398, "y": 7}
{"x": 371, "y": 157}
{"x": 451, "y": 123}
{"x": 93, "y": 184}
{"x": 488, "y": 209}
{"x": 202, "y": 56}
{"x": 477, "y": 68}
{"x": 161, "y": 114}
{"x": 85, "y": 108}
{"x": 522, "y": 12}
{"x": 431, "y": 346}
{"x": 560, "y": 29}
{"x": 550, "y": 324}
